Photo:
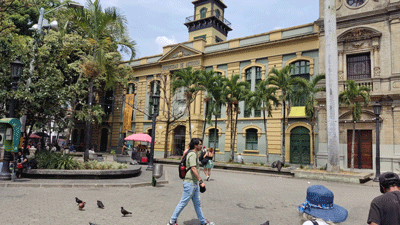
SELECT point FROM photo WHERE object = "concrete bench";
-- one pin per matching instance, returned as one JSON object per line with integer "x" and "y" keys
{"x": 96, "y": 156}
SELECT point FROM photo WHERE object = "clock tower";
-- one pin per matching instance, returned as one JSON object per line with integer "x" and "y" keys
{"x": 208, "y": 21}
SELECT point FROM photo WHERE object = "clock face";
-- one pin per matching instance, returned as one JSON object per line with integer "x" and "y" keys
{"x": 355, "y": 3}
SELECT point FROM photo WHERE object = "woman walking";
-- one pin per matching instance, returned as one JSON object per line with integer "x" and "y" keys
{"x": 208, "y": 162}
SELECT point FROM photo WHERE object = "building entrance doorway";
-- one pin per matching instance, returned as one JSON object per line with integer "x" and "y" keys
{"x": 104, "y": 140}
{"x": 362, "y": 149}
{"x": 179, "y": 140}
{"x": 300, "y": 146}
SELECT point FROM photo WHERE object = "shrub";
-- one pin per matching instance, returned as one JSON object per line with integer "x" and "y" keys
{"x": 112, "y": 152}
{"x": 262, "y": 164}
{"x": 50, "y": 160}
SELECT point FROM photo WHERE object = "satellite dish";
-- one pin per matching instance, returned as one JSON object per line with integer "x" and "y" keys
{"x": 54, "y": 25}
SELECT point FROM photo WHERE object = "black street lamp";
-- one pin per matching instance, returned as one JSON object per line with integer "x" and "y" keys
{"x": 16, "y": 71}
{"x": 377, "y": 110}
{"x": 156, "y": 101}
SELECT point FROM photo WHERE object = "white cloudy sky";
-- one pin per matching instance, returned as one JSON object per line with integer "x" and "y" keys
{"x": 155, "y": 23}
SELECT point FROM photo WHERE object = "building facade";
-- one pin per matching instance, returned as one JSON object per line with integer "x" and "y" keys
{"x": 368, "y": 50}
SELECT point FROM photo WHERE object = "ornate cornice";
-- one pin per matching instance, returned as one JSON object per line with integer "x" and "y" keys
{"x": 358, "y": 34}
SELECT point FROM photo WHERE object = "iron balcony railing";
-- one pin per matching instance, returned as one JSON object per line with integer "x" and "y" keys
{"x": 209, "y": 14}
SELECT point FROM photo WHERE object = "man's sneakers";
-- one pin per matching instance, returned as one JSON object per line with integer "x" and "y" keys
{"x": 169, "y": 223}
{"x": 209, "y": 223}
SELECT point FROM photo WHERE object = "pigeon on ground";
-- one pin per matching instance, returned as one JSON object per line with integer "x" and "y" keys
{"x": 81, "y": 205}
{"x": 124, "y": 212}
{"x": 93, "y": 223}
{"x": 78, "y": 200}
{"x": 100, "y": 204}
{"x": 266, "y": 223}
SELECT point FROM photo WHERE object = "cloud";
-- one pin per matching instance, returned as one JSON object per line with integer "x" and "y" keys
{"x": 163, "y": 41}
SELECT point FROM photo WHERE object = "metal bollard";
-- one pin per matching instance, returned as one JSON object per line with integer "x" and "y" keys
{"x": 157, "y": 173}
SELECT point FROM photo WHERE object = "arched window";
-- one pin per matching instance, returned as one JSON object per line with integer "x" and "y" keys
{"x": 203, "y": 12}
{"x": 251, "y": 139}
{"x": 154, "y": 88}
{"x": 212, "y": 139}
{"x": 217, "y": 13}
{"x": 301, "y": 69}
{"x": 131, "y": 89}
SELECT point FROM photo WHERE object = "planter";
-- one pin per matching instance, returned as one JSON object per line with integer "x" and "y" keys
{"x": 122, "y": 158}
{"x": 355, "y": 178}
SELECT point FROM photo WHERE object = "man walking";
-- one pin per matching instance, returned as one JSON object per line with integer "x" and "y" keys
{"x": 190, "y": 187}
{"x": 385, "y": 209}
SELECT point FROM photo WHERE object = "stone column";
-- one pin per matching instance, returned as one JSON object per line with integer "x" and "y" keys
{"x": 377, "y": 69}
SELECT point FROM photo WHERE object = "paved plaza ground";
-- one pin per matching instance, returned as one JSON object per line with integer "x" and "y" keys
{"x": 232, "y": 198}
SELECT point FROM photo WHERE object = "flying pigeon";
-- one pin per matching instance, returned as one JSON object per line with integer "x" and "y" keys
{"x": 78, "y": 200}
{"x": 100, "y": 204}
{"x": 124, "y": 212}
{"x": 81, "y": 205}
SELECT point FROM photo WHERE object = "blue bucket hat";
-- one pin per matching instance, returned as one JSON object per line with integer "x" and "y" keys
{"x": 319, "y": 203}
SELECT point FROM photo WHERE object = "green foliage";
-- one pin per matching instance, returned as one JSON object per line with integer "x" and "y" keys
{"x": 262, "y": 164}
{"x": 112, "y": 152}
{"x": 352, "y": 96}
{"x": 49, "y": 160}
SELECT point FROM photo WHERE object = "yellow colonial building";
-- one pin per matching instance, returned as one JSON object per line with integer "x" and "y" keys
{"x": 368, "y": 51}
{"x": 250, "y": 57}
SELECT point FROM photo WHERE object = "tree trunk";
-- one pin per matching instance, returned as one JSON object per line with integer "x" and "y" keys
{"x": 215, "y": 134}
{"x": 231, "y": 122}
{"x": 205, "y": 121}
{"x": 283, "y": 133}
{"x": 266, "y": 138}
{"x": 166, "y": 141}
{"x": 234, "y": 133}
{"x": 190, "y": 124}
{"x": 352, "y": 147}
{"x": 88, "y": 123}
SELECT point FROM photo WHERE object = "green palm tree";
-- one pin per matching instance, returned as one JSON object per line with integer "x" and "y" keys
{"x": 207, "y": 80}
{"x": 189, "y": 80}
{"x": 288, "y": 85}
{"x": 234, "y": 91}
{"x": 351, "y": 97}
{"x": 311, "y": 109}
{"x": 107, "y": 31}
{"x": 216, "y": 102}
{"x": 263, "y": 98}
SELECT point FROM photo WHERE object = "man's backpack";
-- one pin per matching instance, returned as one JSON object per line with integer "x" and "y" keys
{"x": 182, "y": 167}
{"x": 201, "y": 158}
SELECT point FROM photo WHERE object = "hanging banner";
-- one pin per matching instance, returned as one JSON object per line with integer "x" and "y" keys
{"x": 126, "y": 125}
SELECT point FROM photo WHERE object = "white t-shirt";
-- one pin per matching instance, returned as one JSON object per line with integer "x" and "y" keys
{"x": 311, "y": 223}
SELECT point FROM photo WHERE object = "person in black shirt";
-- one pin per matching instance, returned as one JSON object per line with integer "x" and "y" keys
{"x": 385, "y": 209}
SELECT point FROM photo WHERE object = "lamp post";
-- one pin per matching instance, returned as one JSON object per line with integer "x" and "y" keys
{"x": 377, "y": 112}
{"x": 16, "y": 71}
{"x": 156, "y": 100}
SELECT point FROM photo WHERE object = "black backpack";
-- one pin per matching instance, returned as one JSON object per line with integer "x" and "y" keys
{"x": 182, "y": 167}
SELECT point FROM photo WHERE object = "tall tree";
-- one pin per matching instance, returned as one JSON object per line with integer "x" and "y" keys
{"x": 311, "y": 105}
{"x": 107, "y": 31}
{"x": 234, "y": 91}
{"x": 189, "y": 80}
{"x": 207, "y": 81}
{"x": 351, "y": 97}
{"x": 287, "y": 84}
{"x": 263, "y": 98}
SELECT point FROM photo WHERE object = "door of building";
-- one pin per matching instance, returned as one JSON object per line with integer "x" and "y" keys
{"x": 179, "y": 140}
{"x": 104, "y": 140}
{"x": 300, "y": 146}
{"x": 362, "y": 149}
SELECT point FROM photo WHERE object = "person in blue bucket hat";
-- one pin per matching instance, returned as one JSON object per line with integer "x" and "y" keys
{"x": 318, "y": 209}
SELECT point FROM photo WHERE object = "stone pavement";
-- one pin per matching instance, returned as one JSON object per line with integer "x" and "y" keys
{"x": 232, "y": 198}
